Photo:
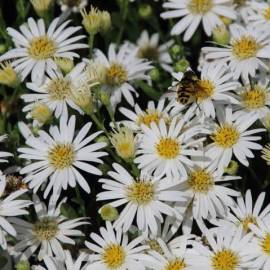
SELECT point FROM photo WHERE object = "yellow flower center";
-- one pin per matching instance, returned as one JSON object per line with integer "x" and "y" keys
{"x": 254, "y": 98}
{"x": 148, "y": 52}
{"x": 154, "y": 245}
{"x": 225, "y": 260}
{"x": 116, "y": 75}
{"x": 59, "y": 89}
{"x": 200, "y": 6}
{"x": 41, "y": 48}
{"x": 267, "y": 14}
{"x": 265, "y": 244}
{"x": 141, "y": 193}
{"x": 45, "y": 229}
{"x": 61, "y": 156}
{"x": 245, "y": 47}
{"x": 248, "y": 220}
{"x": 226, "y": 136}
{"x": 176, "y": 265}
{"x": 201, "y": 181}
{"x": 114, "y": 256}
{"x": 149, "y": 117}
{"x": 205, "y": 90}
{"x": 168, "y": 148}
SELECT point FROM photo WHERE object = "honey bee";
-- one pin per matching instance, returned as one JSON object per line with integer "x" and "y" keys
{"x": 188, "y": 88}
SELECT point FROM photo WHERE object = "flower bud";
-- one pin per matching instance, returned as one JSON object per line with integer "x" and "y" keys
{"x": 2, "y": 48}
{"x": 42, "y": 113}
{"x": 232, "y": 168}
{"x": 23, "y": 265}
{"x": 81, "y": 94}
{"x": 65, "y": 64}
{"x": 124, "y": 143}
{"x": 181, "y": 65}
{"x": 91, "y": 20}
{"x": 108, "y": 213}
{"x": 8, "y": 76}
{"x": 145, "y": 11}
{"x": 106, "y": 22}
{"x": 96, "y": 21}
{"x": 102, "y": 139}
{"x": 155, "y": 74}
{"x": 176, "y": 52}
{"x": 41, "y": 7}
{"x": 221, "y": 35}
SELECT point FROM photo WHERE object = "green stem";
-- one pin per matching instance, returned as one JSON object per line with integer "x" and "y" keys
{"x": 111, "y": 114}
{"x": 14, "y": 95}
{"x": 148, "y": 90}
{"x": 80, "y": 200}
{"x": 124, "y": 10}
{"x": 99, "y": 124}
{"x": 91, "y": 44}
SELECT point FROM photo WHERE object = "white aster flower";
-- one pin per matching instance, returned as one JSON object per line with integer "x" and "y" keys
{"x": 215, "y": 87}
{"x": 232, "y": 136}
{"x": 165, "y": 150}
{"x": 193, "y": 12}
{"x": 208, "y": 196}
{"x": 53, "y": 263}
{"x": 146, "y": 197}
{"x": 243, "y": 213}
{"x": 36, "y": 47}
{"x": 113, "y": 251}
{"x": 254, "y": 100}
{"x": 170, "y": 259}
{"x": 55, "y": 92}
{"x": 139, "y": 117}
{"x": 74, "y": 6}
{"x": 121, "y": 69}
{"x": 245, "y": 54}
{"x": 243, "y": 10}
{"x": 4, "y": 155}
{"x": 148, "y": 48}
{"x": 262, "y": 243}
{"x": 261, "y": 16}
{"x": 59, "y": 155}
{"x": 10, "y": 206}
{"x": 226, "y": 252}
{"x": 48, "y": 232}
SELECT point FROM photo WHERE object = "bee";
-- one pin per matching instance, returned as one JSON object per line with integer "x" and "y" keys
{"x": 187, "y": 88}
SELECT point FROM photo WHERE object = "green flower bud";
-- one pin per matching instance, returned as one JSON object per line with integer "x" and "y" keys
{"x": 221, "y": 35}
{"x": 145, "y": 11}
{"x": 22, "y": 265}
{"x": 181, "y": 65}
{"x": 232, "y": 168}
{"x": 155, "y": 74}
{"x": 176, "y": 51}
{"x": 2, "y": 48}
{"x": 108, "y": 213}
{"x": 102, "y": 139}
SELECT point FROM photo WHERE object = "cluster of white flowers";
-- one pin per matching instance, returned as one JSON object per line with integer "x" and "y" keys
{"x": 163, "y": 167}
